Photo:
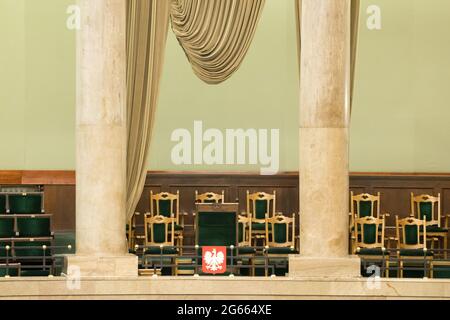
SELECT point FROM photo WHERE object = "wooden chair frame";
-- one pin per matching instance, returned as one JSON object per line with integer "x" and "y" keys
{"x": 436, "y": 216}
{"x": 169, "y": 231}
{"x": 174, "y": 208}
{"x": 400, "y": 225}
{"x": 216, "y": 197}
{"x": 270, "y": 234}
{"x": 251, "y": 201}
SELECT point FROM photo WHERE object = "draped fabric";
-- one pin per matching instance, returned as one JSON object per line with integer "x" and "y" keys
{"x": 215, "y": 34}
{"x": 355, "y": 6}
{"x": 147, "y": 26}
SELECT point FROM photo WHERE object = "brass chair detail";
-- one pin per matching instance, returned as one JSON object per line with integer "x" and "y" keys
{"x": 260, "y": 205}
{"x": 428, "y": 207}
{"x": 210, "y": 197}
{"x": 412, "y": 244}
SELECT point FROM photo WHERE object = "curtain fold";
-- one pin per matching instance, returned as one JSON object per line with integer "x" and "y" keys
{"x": 215, "y": 34}
{"x": 355, "y": 7}
{"x": 147, "y": 27}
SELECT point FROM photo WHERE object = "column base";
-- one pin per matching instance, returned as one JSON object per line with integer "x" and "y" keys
{"x": 316, "y": 267}
{"x": 101, "y": 266}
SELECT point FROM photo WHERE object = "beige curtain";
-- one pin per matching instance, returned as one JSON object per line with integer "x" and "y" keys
{"x": 147, "y": 26}
{"x": 355, "y": 6}
{"x": 215, "y": 34}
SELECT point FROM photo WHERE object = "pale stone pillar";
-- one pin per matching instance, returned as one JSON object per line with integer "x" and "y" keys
{"x": 101, "y": 248}
{"x": 324, "y": 120}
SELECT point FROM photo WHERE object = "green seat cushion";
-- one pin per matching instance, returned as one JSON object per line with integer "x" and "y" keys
{"x": 25, "y": 204}
{"x": 372, "y": 252}
{"x": 246, "y": 250}
{"x": 165, "y": 250}
{"x": 7, "y": 228}
{"x": 436, "y": 229}
{"x": 33, "y": 227}
{"x": 281, "y": 250}
{"x": 2, "y": 204}
{"x": 34, "y": 273}
{"x": 260, "y": 226}
{"x": 415, "y": 253}
{"x": 32, "y": 249}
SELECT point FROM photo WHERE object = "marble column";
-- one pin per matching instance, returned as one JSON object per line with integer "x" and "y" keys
{"x": 101, "y": 248}
{"x": 324, "y": 122}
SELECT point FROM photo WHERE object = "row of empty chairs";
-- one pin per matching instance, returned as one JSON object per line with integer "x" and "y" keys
{"x": 420, "y": 241}
{"x": 26, "y": 238}
{"x": 216, "y": 223}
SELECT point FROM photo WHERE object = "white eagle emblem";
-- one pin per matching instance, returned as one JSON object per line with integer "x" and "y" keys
{"x": 214, "y": 260}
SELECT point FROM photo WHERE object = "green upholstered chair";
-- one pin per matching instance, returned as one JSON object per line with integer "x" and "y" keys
{"x": 25, "y": 203}
{"x": 369, "y": 240}
{"x": 412, "y": 245}
{"x": 260, "y": 205}
{"x": 280, "y": 237}
{"x": 209, "y": 197}
{"x": 428, "y": 207}
{"x": 2, "y": 204}
{"x": 34, "y": 226}
{"x": 167, "y": 204}
{"x": 159, "y": 240}
{"x": 245, "y": 251}
{"x": 363, "y": 205}
{"x": 7, "y": 227}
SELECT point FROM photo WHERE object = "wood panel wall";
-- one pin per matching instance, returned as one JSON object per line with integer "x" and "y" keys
{"x": 395, "y": 190}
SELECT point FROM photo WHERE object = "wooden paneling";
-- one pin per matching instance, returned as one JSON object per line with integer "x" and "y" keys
{"x": 394, "y": 188}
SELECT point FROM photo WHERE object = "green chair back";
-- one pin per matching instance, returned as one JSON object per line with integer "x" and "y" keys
{"x": 260, "y": 209}
{"x": 7, "y": 228}
{"x": 365, "y": 209}
{"x": 165, "y": 208}
{"x": 280, "y": 233}
{"x": 2, "y": 204}
{"x": 411, "y": 234}
{"x": 426, "y": 210}
{"x": 25, "y": 204}
{"x": 33, "y": 227}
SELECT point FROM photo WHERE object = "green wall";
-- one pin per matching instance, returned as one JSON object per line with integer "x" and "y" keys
{"x": 399, "y": 114}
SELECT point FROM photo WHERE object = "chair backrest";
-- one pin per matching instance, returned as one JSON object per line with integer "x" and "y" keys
{"x": 260, "y": 204}
{"x": 411, "y": 233}
{"x": 365, "y": 205}
{"x": 159, "y": 230}
{"x": 282, "y": 231}
{"x": 428, "y": 207}
{"x": 165, "y": 204}
{"x": 245, "y": 231}
{"x": 34, "y": 226}
{"x": 216, "y": 224}
{"x": 2, "y": 204}
{"x": 25, "y": 203}
{"x": 369, "y": 232}
{"x": 210, "y": 197}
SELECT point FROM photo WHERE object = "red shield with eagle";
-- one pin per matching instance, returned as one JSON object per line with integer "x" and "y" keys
{"x": 214, "y": 260}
